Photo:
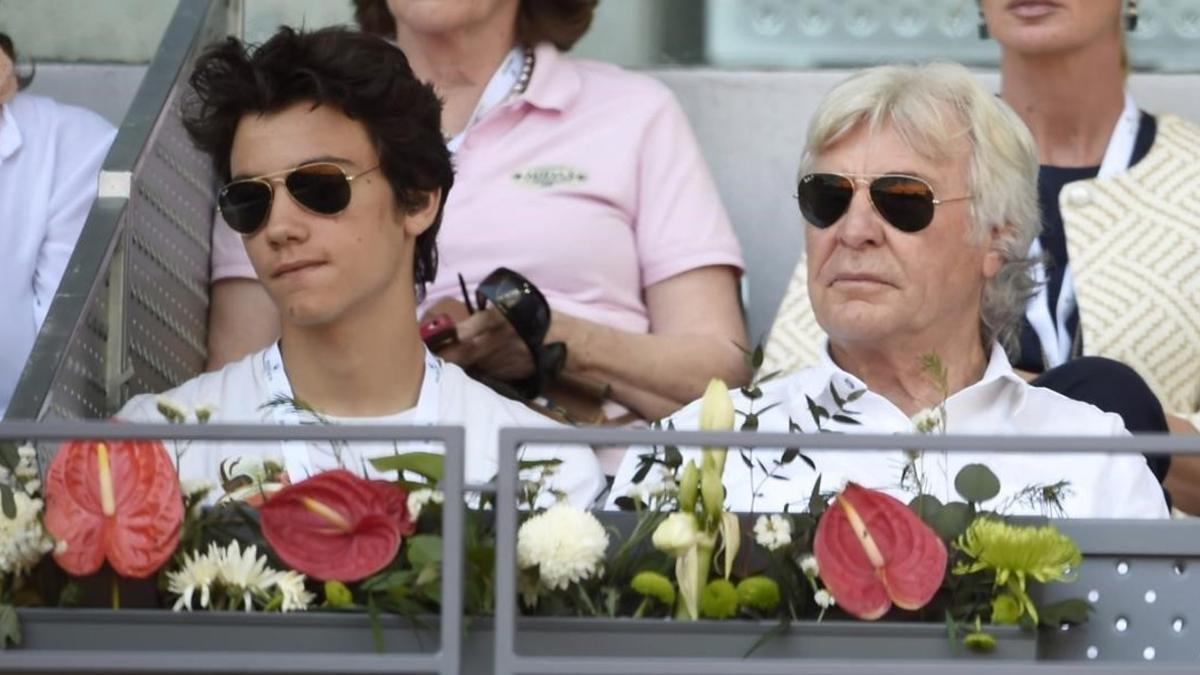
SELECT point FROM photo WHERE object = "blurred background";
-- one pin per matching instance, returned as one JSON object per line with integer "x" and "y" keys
{"x": 58, "y": 35}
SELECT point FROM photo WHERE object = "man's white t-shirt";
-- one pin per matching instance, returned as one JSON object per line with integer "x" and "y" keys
{"x": 1000, "y": 403}
{"x": 242, "y": 392}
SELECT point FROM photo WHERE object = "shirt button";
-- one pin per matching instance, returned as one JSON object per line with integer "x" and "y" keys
{"x": 1079, "y": 196}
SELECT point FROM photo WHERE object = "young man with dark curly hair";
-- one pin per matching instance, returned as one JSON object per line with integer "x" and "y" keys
{"x": 335, "y": 174}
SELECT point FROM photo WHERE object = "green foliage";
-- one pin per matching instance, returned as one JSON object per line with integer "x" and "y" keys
{"x": 428, "y": 465}
{"x": 10, "y": 626}
{"x": 976, "y": 483}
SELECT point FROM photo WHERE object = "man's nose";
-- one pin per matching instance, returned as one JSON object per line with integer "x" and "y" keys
{"x": 861, "y": 225}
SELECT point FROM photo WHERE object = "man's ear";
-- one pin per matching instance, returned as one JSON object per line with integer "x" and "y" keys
{"x": 421, "y": 218}
{"x": 993, "y": 260}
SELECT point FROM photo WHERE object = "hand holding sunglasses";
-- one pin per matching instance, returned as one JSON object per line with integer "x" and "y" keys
{"x": 905, "y": 202}
{"x": 321, "y": 188}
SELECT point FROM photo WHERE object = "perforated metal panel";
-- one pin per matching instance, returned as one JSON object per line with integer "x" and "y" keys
{"x": 169, "y": 223}
{"x": 1144, "y": 581}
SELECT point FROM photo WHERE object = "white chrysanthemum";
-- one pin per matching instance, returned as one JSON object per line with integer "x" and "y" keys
{"x": 417, "y": 499}
{"x": 808, "y": 565}
{"x": 296, "y": 597}
{"x": 244, "y": 572}
{"x": 566, "y": 545}
{"x": 823, "y": 599}
{"x": 23, "y": 540}
{"x": 773, "y": 532}
{"x": 198, "y": 573}
{"x": 927, "y": 421}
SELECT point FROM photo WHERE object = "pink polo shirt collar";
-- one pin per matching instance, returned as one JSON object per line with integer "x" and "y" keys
{"x": 555, "y": 83}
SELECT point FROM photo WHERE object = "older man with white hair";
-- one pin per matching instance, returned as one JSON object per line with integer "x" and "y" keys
{"x": 919, "y": 190}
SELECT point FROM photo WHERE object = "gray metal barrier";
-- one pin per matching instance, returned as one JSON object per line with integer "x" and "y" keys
{"x": 1141, "y": 576}
{"x": 130, "y": 315}
{"x": 151, "y": 641}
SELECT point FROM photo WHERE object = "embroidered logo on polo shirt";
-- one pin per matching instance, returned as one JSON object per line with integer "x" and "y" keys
{"x": 549, "y": 176}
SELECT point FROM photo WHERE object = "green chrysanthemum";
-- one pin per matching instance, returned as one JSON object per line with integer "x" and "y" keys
{"x": 761, "y": 593}
{"x": 654, "y": 585}
{"x": 1016, "y": 553}
{"x": 337, "y": 594}
{"x": 719, "y": 600}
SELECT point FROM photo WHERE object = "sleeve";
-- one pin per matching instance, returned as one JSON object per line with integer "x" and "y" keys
{"x": 83, "y": 139}
{"x": 681, "y": 223}
{"x": 229, "y": 259}
{"x": 1131, "y": 490}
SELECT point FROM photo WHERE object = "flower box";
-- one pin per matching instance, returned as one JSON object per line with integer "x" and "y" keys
{"x": 157, "y": 639}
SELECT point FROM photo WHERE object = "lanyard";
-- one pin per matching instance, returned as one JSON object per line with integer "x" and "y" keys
{"x": 297, "y": 455}
{"x": 503, "y": 81}
{"x": 1052, "y": 333}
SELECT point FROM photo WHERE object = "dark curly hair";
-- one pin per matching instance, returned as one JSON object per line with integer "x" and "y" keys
{"x": 560, "y": 22}
{"x": 364, "y": 77}
{"x": 6, "y": 45}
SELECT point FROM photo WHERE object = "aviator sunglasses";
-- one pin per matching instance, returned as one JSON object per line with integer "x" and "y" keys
{"x": 905, "y": 202}
{"x": 322, "y": 188}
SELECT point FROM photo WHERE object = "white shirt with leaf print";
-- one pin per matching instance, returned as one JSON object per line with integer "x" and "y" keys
{"x": 1000, "y": 403}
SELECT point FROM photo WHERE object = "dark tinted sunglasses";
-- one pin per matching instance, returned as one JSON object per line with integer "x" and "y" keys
{"x": 906, "y": 202}
{"x": 322, "y": 188}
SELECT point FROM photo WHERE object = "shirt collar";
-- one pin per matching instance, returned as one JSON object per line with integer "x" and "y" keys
{"x": 999, "y": 373}
{"x": 10, "y": 133}
{"x": 555, "y": 81}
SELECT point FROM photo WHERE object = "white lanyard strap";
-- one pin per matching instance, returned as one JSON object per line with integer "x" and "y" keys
{"x": 502, "y": 84}
{"x": 1053, "y": 334}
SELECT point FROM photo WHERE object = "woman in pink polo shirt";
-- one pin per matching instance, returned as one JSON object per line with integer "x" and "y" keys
{"x": 584, "y": 178}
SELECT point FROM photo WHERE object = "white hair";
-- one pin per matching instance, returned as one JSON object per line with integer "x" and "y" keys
{"x": 929, "y": 107}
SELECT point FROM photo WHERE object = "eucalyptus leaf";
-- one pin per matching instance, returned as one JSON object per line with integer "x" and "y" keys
{"x": 926, "y": 507}
{"x": 789, "y": 455}
{"x": 425, "y": 464}
{"x": 746, "y": 459}
{"x": 758, "y": 358}
{"x": 845, "y": 419}
{"x": 1072, "y": 611}
{"x": 952, "y": 520}
{"x": 976, "y": 483}
{"x": 855, "y": 395}
{"x": 751, "y": 423}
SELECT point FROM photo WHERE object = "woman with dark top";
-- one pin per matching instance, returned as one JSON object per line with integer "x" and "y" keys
{"x": 1119, "y": 241}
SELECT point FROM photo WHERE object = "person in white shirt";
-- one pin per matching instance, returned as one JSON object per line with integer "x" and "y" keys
{"x": 339, "y": 176}
{"x": 919, "y": 190}
{"x": 50, "y": 157}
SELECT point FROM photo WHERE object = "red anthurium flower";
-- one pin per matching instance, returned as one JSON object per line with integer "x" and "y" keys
{"x": 873, "y": 551}
{"x": 336, "y": 525}
{"x": 113, "y": 501}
